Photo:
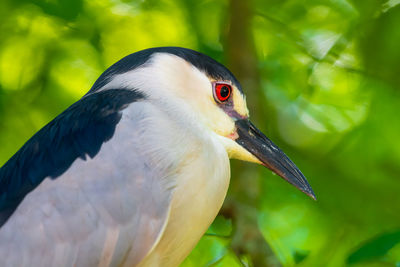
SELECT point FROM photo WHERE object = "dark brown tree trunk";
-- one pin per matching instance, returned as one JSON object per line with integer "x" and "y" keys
{"x": 245, "y": 189}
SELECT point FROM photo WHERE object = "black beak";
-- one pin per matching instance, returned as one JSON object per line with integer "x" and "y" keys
{"x": 270, "y": 155}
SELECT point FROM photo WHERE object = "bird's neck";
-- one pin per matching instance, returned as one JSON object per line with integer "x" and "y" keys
{"x": 201, "y": 185}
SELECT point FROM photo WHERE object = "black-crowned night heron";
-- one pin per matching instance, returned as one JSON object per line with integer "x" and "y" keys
{"x": 135, "y": 171}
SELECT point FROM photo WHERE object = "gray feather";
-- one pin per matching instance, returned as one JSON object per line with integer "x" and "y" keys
{"x": 106, "y": 210}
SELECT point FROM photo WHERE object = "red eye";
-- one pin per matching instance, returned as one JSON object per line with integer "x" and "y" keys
{"x": 222, "y": 91}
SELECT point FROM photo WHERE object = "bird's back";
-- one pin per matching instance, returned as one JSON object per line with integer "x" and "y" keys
{"x": 74, "y": 204}
{"x": 78, "y": 132}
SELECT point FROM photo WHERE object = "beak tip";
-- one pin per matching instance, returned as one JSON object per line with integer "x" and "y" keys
{"x": 312, "y": 195}
{"x": 309, "y": 192}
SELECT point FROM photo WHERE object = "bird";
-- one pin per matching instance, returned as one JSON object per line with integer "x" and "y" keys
{"x": 135, "y": 171}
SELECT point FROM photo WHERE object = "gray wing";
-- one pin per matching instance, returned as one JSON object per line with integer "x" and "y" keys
{"x": 106, "y": 210}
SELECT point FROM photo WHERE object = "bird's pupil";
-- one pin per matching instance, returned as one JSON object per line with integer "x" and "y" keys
{"x": 224, "y": 92}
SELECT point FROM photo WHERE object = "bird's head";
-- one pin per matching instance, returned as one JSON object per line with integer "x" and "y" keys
{"x": 194, "y": 85}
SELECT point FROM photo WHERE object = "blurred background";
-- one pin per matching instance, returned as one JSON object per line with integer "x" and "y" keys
{"x": 322, "y": 80}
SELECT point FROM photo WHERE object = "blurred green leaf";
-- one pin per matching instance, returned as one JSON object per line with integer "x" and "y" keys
{"x": 221, "y": 227}
{"x": 300, "y": 255}
{"x": 375, "y": 248}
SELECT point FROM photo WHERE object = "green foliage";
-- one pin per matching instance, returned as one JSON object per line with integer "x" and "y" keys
{"x": 329, "y": 81}
{"x": 375, "y": 248}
